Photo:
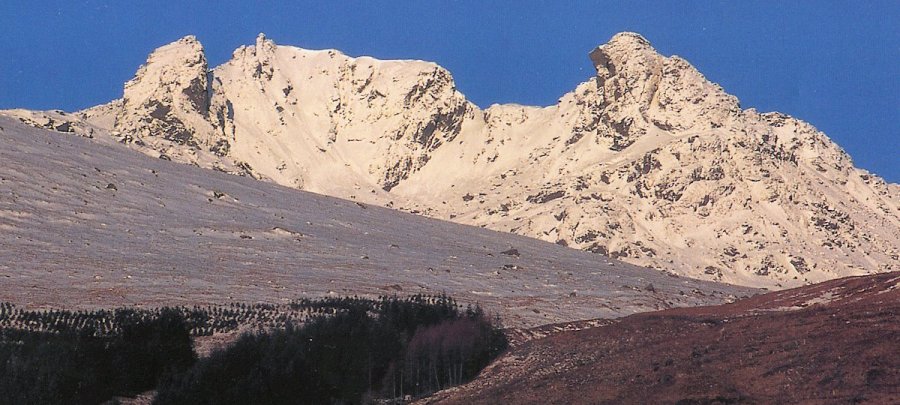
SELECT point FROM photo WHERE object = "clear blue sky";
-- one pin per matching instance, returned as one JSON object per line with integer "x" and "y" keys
{"x": 834, "y": 64}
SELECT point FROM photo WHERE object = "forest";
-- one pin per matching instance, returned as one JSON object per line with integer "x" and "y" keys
{"x": 345, "y": 350}
{"x": 78, "y": 365}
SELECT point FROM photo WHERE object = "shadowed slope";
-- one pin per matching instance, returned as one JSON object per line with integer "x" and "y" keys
{"x": 834, "y": 342}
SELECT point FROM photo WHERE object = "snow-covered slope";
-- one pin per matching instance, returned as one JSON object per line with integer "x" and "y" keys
{"x": 647, "y": 161}
{"x": 88, "y": 223}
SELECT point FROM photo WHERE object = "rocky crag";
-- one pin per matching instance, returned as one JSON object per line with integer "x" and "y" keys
{"x": 647, "y": 161}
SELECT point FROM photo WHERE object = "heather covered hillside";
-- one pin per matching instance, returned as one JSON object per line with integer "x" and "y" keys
{"x": 830, "y": 343}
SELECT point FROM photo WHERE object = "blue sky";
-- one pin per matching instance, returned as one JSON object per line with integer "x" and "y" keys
{"x": 834, "y": 64}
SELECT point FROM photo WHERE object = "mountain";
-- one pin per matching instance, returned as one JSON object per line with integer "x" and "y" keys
{"x": 646, "y": 162}
{"x": 89, "y": 224}
{"x": 829, "y": 343}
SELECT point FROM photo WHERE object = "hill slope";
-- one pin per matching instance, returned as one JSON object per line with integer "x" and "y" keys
{"x": 87, "y": 223}
{"x": 833, "y": 342}
{"x": 647, "y": 161}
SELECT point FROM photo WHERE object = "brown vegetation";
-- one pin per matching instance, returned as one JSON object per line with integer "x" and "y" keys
{"x": 834, "y": 342}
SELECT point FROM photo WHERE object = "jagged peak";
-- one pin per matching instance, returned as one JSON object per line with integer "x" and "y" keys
{"x": 168, "y": 96}
{"x": 262, "y": 47}
{"x": 632, "y": 39}
{"x": 624, "y": 50}
{"x": 669, "y": 92}
{"x": 186, "y": 52}
{"x": 187, "y": 45}
{"x": 264, "y": 44}
{"x": 338, "y": 124}
{"x": 188, "y": 39}
{"x": 181, "y": 61}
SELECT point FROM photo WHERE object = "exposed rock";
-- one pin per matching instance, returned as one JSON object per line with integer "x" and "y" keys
{"x": 646, "y": 161}
{"x": 168, "y": 97}
{"x": 545, "y": 196}
{"x": 67, "y": 241}
{"x": 511, "y": 252}
{"x": 167, "y": 106}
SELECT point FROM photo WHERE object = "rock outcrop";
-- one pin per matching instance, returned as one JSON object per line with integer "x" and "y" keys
{"x": 86, "y": 225}
{"x": 168, "y": 97}
{"x": 166, "y": 108}
{"x": 647, "y": 161}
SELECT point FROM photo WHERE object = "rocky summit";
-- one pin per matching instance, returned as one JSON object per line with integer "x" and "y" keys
{"x": 647, "y": 161}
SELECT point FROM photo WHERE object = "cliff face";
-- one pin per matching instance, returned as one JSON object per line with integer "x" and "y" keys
{"x": 647, "y": 161}
{"x": 167, "y": 100}
{"x": 316, "y": 119}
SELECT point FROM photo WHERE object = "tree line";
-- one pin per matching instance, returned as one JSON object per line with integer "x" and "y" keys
{"x": 77, "y": 366}
{"x": 368, "y": 350}
{"x": 340, "y": 350}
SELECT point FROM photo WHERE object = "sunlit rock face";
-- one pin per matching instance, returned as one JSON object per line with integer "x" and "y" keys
{"x": 647, "y": 161}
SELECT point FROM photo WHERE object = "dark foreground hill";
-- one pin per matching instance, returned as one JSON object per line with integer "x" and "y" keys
{"x": 834, "y": 342}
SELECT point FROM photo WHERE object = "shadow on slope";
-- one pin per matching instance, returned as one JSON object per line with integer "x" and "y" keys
{"x": 834, "y": 342}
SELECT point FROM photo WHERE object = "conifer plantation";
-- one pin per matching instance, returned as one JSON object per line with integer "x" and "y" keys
{"x": 333, "y": 350}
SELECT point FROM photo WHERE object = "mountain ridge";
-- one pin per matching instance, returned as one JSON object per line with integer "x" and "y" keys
{"x": 647, "y": 161}
{"x": 90, "y": 224}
